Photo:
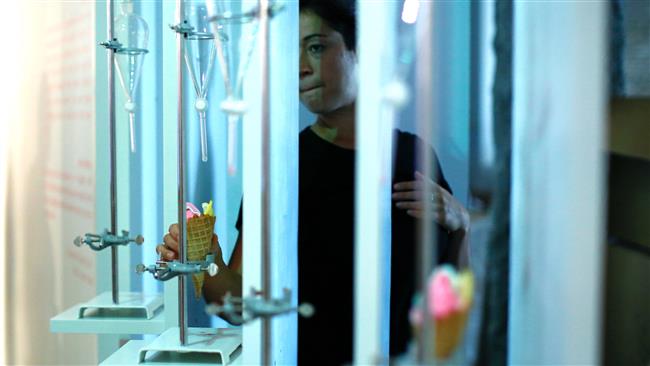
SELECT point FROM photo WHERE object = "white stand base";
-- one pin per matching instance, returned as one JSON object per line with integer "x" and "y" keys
{"x": 127, "y": 355}
{"x": 134, "y": 304}
{"x": 221, "y": 343}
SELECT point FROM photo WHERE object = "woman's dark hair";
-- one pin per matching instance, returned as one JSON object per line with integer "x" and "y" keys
{"x": 340, "y": 15}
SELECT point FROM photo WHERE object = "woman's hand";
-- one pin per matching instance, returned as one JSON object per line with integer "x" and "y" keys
{"x": 169, "y": 249}
{"x": 444, "y": 208}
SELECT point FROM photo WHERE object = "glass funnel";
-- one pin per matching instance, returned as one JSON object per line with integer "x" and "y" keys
{"x": 237, "y": 32}
{"x": 132, "y": 33}
{"x": 199, "y": 58}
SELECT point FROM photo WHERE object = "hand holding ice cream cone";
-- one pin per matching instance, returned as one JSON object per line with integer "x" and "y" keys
{"x": 200, "y": 241}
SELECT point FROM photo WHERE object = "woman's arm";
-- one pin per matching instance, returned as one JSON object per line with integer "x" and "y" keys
{"x": 229, "y": 278}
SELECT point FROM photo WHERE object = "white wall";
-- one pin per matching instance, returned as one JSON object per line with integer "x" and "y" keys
{"x": 373, "y": 172}
{"x": 8, "y": 116}
{"x": 52, "y": 181}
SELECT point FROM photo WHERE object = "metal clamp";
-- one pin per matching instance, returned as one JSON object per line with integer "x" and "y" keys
{"x": 244, "y": 310}
{"x": 99, "y": 242}
{"x": 183, "y": 28}
{"x": 164, "y": 271}
{"x": 112, "y": 44}
{"x": 246, "y": 17}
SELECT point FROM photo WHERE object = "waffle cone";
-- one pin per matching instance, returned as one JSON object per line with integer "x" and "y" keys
{"x": 197, "y": 280}
{"x": 199, "y": 241}
{"x": 449, "y": 333}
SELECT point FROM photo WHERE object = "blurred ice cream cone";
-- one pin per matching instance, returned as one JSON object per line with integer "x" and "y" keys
{"x": 449, "y": 296}
{"x": 449, "y": 333}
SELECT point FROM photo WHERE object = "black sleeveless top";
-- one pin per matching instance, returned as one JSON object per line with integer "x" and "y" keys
{"x": 326, "y": 248}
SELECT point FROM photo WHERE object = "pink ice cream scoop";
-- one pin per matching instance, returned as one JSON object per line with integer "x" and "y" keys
{"x": 442, "y": 298}
{"x": 191, "y": 211}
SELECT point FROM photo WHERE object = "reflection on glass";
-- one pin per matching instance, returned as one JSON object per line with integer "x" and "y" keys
{"x": 132, "y": 32}
{"x": 237, "y": 33}
{"x": 199, "y": 58}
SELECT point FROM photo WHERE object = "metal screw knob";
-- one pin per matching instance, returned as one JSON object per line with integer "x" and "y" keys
{"x": 306, "y": 310}
{"x": 78, "y": 241}
{"x": 213, "y": 269}
{"x": 139, "y": 239}
{"x": 140, "y": 268}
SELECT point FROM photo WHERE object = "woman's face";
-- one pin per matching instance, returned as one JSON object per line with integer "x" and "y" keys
{"x": 328, "y": 76}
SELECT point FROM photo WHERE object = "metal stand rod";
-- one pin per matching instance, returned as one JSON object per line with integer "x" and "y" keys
{"x": 266, "y": 189}
{"x": 426, "y": 248}
{"x": 113, "y": 148}
{"x": 182, "y": 311}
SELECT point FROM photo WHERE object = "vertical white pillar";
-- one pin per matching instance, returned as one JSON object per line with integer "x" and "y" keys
{"x": 374, "y": 128}
{"x": 251, "y": 166}
{"x": 252, "y": 191}
{"x": 427, "y": 103}
{"x": 284, "y": 58}
{"x": 170, "y": 148}
{"x": 559, "y": 126}
{"x": 150, "y": 186}
{"x": 283, "y": 214}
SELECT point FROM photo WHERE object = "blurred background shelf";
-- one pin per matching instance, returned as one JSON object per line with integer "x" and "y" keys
{"x": 627, "y": 282}
{"x": 630, "y": 127}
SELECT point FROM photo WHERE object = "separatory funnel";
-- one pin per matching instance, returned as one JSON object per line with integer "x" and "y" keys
{"x": 199, "y": 59}
{"x": 132, "y": 33}
{"x": 235, "y": 44}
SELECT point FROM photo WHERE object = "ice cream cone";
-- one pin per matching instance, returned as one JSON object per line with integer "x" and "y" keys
{"x": 449, "y": 333}
{"x": 449, "y": 296}
{"x": 199, "y": 241}
{"x": 197, "y": 280}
